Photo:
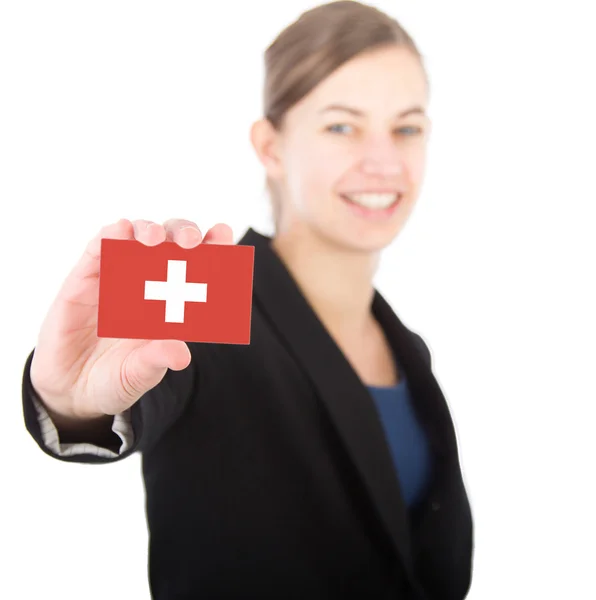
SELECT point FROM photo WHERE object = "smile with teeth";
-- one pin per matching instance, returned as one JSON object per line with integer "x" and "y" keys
{"x": 373, "y": 201}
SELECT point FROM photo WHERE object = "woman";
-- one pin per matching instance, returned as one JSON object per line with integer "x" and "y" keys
{"x": 320, "y": 461}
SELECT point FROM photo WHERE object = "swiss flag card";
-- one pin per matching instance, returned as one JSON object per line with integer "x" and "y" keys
{"x": 201, "y": 294}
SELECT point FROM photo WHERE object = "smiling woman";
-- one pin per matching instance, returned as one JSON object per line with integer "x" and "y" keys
{"x": 319, "y": 460}
{"x": 346, "y": 91}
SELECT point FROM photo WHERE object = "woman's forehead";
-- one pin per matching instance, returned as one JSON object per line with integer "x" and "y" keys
{"x": 371, "y": 80}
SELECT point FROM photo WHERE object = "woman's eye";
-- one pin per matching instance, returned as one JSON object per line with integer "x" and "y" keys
{"x": 413, "y": 130}
{"x": 345, "y": 128}
{"x": 337, "y": 127}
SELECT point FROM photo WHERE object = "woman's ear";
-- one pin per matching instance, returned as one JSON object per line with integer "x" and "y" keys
{"x": 265, "y": 141}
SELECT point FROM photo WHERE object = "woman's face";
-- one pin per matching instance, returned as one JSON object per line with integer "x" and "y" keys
{"x": 359, "y": 138}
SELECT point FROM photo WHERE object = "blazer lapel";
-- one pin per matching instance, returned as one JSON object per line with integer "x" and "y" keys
{"x": 341, "y": 391}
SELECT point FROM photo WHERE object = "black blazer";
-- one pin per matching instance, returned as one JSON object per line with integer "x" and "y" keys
{"x": 267, "y": 474}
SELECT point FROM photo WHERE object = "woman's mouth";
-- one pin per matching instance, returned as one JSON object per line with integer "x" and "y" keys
{"x": 373, "y": 205}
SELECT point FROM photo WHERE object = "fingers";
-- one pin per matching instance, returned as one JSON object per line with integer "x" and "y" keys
{"x": 122, "y": 230}
{"x": 148, "y": 232}
{"x": 181, "y": 231}
{"x": 188, "y": 235}
{"x": 144, "y": 231}
{"x": 88, "y": 266}
{"x": 185, "y": 233}
{"x": 219, "y": 234}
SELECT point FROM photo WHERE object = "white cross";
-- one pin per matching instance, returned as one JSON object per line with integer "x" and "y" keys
{"x": 176, "y": 291}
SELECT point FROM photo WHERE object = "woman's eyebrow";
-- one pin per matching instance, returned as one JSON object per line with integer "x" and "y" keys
{"x": 359, "y": 113}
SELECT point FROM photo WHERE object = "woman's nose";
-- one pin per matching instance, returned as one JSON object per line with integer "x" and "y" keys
{"x": 382, "y": 158}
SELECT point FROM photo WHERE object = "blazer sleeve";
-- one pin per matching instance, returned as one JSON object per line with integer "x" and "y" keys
{"x": 51, "y": 438}
{"x": 138, "y": 428}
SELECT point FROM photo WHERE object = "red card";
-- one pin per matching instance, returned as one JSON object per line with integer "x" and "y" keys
{"x": 202, "y": 294}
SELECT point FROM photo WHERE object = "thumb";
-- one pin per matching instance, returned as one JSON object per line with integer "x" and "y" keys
{"x": 146, "y": 366}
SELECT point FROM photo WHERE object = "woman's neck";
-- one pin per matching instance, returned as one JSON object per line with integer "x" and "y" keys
{"x": 337, "y": 282}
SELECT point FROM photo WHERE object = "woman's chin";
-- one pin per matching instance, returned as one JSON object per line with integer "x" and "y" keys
{"x": 357, "y": 240}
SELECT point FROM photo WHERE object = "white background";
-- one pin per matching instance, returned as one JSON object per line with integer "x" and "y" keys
{"x": 142, "y": 110}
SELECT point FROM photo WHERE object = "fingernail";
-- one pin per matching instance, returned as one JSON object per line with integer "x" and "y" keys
{"x": 194, "y": 229}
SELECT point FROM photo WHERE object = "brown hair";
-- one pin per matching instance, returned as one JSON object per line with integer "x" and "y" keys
{"x": 316, "y": 44}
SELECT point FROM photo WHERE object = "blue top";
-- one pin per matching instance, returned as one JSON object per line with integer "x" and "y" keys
{"x": 406, "y": 439}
